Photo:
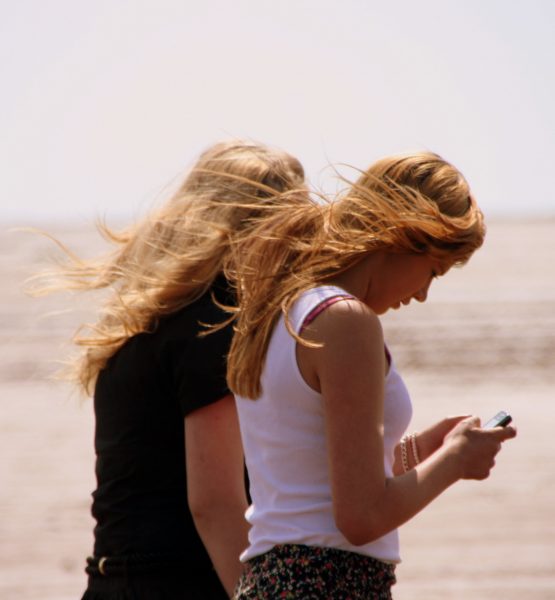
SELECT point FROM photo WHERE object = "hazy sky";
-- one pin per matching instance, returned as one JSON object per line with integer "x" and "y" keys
{"x": 104, "y": 103}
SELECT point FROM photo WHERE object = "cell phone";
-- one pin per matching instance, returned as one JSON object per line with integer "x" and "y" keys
{"x": 501, "y": 419}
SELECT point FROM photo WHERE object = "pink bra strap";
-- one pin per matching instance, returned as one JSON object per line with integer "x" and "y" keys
{"x": 322, "y": 306}
{"x": 328, "y": 302}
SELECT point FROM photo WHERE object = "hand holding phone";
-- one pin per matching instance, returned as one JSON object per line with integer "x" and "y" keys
{"x": 501, "y": 419}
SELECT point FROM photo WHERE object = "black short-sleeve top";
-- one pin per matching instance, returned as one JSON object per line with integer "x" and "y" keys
{"x": 141, "y": 398}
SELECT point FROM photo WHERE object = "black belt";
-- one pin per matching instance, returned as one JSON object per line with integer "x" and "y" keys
{"x": 114, "y": 566}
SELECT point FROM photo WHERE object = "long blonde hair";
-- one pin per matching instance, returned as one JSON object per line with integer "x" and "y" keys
{"x": 172, "y": 256}
{"x": 415, "y": 203}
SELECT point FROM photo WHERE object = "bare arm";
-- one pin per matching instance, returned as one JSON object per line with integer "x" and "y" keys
{"x": 216, "y": 487}
{"x": 349, "y": 371}
{"x": 427, "y": 441}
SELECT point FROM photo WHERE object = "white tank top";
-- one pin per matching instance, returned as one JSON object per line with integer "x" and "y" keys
{"x": 285, "y": 449}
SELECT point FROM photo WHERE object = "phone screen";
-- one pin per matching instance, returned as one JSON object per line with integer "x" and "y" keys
{"x": 501, "y": 419}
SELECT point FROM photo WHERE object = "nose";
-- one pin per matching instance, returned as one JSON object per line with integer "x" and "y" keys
{"x": 422, "y": 294}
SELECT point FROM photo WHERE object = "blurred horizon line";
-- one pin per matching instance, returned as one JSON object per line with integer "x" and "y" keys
{"x": 119, "y": 219}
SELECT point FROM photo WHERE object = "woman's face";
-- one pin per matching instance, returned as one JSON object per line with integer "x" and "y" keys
{"x": 401, "y": 278}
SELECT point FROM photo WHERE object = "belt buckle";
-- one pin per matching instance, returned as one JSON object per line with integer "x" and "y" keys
{"x": 101, "y": 563}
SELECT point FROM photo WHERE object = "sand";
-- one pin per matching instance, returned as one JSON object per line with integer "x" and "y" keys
{"x": 484, "y": 341}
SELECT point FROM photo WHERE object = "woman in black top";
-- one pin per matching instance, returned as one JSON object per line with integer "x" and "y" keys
{"x": 170, "y": 494}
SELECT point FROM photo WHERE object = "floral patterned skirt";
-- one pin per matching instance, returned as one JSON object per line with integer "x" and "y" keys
{"x": 298, "y": 572}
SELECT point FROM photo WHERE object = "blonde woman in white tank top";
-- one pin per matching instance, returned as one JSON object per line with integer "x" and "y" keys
{"x": 322, "y": 409}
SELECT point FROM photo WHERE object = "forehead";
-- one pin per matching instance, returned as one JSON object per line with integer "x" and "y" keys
{"x": 440, "y": 267}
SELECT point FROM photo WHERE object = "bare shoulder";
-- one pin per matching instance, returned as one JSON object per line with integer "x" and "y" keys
{"x": 349, "y": 339}
{"x": 347, "y": 318}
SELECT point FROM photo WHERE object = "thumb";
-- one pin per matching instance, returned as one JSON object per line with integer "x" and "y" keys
{"x": 453, "y": 420}
{"x": 471, "y": 420}
{"x": 450, "y": 422}
{"x": 504, "y": 433}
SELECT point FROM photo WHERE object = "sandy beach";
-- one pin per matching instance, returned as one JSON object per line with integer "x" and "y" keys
{"x": 484, "y": 341}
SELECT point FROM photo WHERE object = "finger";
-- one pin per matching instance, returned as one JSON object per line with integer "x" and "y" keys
{"x": 503, "y": 433}
{"x": 453, "y": 420}
{"x": 509, "y": 432}
{"x": 472, "y": 421}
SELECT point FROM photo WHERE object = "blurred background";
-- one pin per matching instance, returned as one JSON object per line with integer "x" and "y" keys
{"x": 105, "y": 104}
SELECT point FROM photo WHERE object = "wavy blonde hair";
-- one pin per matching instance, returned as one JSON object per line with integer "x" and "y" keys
{"x": 172, "y": 256}
{"x": 415, "y": 203}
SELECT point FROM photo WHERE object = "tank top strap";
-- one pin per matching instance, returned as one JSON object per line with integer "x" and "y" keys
{"x": 321, "y": 306}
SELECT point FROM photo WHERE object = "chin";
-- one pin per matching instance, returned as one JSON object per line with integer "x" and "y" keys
{"x": 382, "y": 310}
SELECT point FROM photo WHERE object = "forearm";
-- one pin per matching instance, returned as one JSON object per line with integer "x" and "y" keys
{"x": 216, "y": 485}
{"x": 468, "y": 452}
{"x": 400, "y": 498}
{"x": 423, "y": 444}
{"x": 223, "y": 530}
{"x": 406, "y": 495}
{"x": 409, "y": 452}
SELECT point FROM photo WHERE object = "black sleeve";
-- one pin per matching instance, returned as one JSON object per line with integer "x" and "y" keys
{"x": 198, "y": 364}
